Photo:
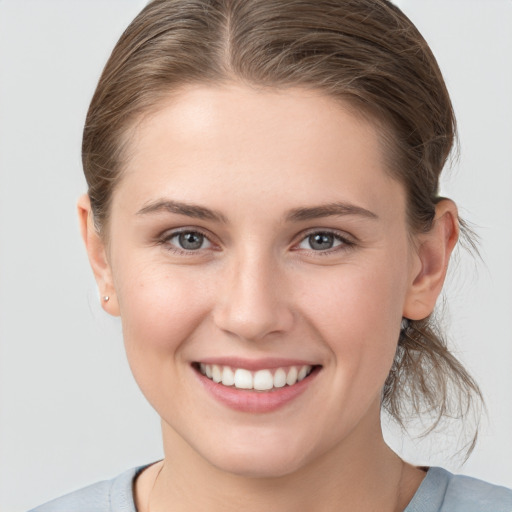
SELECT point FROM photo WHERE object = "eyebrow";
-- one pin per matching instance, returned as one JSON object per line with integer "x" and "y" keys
{"x": 329, "y": 210}
{"x": 295, "y": 215}
{"x": 188, "y": 209}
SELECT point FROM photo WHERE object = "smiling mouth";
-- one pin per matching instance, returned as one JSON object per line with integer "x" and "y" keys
{"x": 261, "y": 380}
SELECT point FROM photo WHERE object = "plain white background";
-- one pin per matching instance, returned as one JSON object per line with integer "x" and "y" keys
{"x": 70, "y": 413}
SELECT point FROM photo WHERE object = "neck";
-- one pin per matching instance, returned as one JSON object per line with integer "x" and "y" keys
{"x": 362, "y": 474}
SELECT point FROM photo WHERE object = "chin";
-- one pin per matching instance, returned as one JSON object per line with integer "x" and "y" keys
{"x": 258, "y": 459}
{"x": 261, "y": 466}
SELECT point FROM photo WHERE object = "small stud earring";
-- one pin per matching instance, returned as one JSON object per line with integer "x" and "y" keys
{"x": 106, "y": 298}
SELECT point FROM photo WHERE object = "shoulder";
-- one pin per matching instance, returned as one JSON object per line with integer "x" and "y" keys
{"x": 470, "y": 494}
{"x": 442, "y": 491}
{"x": 114, "y": 495}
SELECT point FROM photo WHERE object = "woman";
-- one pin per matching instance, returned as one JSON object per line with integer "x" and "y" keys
{"x": 263, "y": 215}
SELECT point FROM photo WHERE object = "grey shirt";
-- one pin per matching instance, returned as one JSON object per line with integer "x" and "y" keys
{"x": 440, "y": 491}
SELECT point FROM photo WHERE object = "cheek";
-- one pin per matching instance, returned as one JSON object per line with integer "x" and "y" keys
{"x": 357, "y": 313}
{"x": 357, "y": 298}
{"x": 160, "y": 310}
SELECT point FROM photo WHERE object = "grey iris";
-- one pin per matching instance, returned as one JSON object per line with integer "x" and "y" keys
{"x": 321, "y": 241}
{"x": 190, "y": 240}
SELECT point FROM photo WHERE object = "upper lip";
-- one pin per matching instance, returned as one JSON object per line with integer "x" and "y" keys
{"x": 267, "y": 363}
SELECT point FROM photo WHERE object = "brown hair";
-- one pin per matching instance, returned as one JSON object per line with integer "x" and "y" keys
{"x": 366, "y": 53}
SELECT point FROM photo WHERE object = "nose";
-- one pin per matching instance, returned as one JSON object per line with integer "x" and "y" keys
{"x": 253, "y": 302}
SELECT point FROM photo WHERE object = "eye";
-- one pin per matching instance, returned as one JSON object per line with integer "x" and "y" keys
{"x": 189, "y": 241}
{"x": 322, "y": 241}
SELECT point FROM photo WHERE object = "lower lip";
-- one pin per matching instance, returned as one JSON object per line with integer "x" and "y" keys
{"x": 256, "y": 401}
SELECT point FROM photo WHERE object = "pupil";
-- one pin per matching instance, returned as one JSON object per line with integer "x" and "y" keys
{"x": 191, "y": 241}
{"x": 321, "y": 241}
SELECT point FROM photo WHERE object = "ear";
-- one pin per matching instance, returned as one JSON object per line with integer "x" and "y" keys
{"x": 98, "y": 257}
{"x": 432, "y": 254}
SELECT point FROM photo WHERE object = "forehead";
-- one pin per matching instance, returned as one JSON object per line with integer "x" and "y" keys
{"x": 283, "y": 145}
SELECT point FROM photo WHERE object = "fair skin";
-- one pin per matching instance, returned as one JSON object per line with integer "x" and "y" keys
{"x": 268, "y": 275}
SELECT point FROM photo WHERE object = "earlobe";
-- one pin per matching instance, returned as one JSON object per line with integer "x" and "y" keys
{"x": 433, "y": 253}
{"x": 97, "y": 254}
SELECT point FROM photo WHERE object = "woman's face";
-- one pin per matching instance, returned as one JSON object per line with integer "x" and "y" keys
{"x": 256, "y": 235}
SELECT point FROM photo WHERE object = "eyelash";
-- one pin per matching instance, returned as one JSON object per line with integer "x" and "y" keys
{"x": 344, "y": 244}
{"x": 166, "y": 238}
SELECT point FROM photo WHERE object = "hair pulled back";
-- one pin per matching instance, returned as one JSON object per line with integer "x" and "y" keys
{"x": 366, "y": 53}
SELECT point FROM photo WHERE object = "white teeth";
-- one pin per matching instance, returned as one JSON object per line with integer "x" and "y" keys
{"x": 262, "y": 380}
{"x": 291, "y": 378}
{"x": 216, "y": 373}
{"x": 279, "y": 378}
{"x": 243, "y": 379}
{"x": 302, "y": 373}
{"x": 228, "y": 377}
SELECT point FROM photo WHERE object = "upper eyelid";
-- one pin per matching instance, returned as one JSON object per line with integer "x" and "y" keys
{"x": 170, "y": 233}
{"x": 166, "y": 236}
{"x": 347, "y": 242}
{"x": 342, "y": 235}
